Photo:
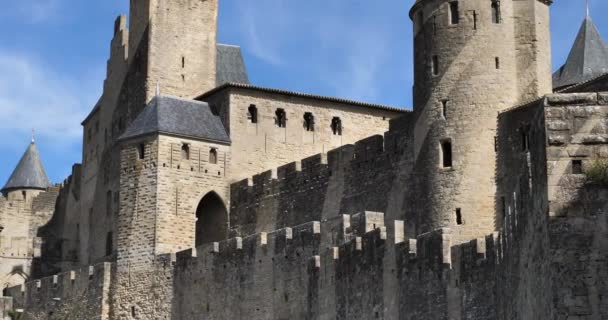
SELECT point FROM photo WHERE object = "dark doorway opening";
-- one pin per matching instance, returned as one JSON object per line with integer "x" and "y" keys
{"x": 212, "y": 220}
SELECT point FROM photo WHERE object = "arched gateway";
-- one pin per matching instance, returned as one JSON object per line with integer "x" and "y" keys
{"x": 211, "y": 220}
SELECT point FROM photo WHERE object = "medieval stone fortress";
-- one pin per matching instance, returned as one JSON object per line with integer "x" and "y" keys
{"x": 203, "y": 196}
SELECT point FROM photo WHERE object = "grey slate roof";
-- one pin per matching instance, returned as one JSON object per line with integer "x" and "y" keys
{"x": 29, "y": 173}
{"x": 179, "y": 117}
{"x": 588, "y": 58}
{"x": 230, "y": 65}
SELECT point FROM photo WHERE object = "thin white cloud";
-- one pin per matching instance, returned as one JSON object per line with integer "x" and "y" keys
{"x": 31, "y": 11}
{"x": 33, "y": 96}
{"x": 345, "y": 54}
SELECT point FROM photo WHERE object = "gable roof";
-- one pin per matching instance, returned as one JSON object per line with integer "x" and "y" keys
{"x": 588, "y": 58}
{"x": 179, "y": 117}
{"x": 230, "y": 66}
{"x": 29, "y": 173}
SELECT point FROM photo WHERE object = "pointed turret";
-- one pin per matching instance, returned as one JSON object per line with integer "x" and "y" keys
{"x": 29, "y": 173}
{"x": 587, "y": 59}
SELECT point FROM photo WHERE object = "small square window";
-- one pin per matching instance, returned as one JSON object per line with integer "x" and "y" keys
{"x": 577, "y": 167}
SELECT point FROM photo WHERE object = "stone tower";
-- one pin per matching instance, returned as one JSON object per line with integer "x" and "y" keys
{"x": 472, "y": 59}
{"x": 174, "y": 194}
{"x": 175, "y": 43}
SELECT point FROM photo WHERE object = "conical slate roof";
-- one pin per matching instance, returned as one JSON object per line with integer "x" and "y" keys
{"x": 30, "y": 173}
{"x": 588, "y": 58}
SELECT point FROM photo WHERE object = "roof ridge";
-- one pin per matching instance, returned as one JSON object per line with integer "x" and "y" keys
{"x": 303, "y": 95}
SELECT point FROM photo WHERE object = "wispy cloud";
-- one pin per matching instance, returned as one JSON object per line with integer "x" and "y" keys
{"x": 33, "y": 96}
{"x": 31, "y": 11}
{"x": 345, "y": 51}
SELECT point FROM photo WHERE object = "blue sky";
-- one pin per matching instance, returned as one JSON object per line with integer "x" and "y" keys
{"x": 53, "y": 54}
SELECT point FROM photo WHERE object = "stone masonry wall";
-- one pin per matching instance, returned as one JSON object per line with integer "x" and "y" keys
{"x": 257, "y": 147}
{"x": 577, "y": 129}
{"x": 374, "y": 174}
{"x": 182, "y": 184}
{"x": 20, "y": 244}
{"x": 73, "y": 295}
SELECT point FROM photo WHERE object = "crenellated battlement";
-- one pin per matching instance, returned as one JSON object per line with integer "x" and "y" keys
{"x": 85, "y": 292}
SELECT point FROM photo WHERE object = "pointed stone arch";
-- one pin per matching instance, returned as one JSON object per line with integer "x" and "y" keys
{"x": 211, "y": 220}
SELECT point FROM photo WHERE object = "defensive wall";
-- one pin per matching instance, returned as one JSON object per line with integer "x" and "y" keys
{"x": 79, "y": 294}
{"x": 315, "y": 255}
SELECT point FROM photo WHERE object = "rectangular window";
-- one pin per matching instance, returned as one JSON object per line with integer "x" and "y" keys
{"x": 435, "y": 65}
{"x": 525, "y": 140}
{"x": 336, "y": 126}
{"x": 459, "y": 220}
{"x": 496, "y": 17}
{"x": 497, "y": 62}
{"x": 446, "y": 154}
{"x": 109, "y": 240}
{"x": 577, "y": 167}
{"x": 141, "y": 151}
{"x": 454, "y": 14}
{"x": 213, "y": 156}
{"x": 252, "y": 114}
{"x": 474, "y": 20}
{"x": 444, "y": 109}
{"x": 309, "y": 121}
{"x": 281, "y": 118}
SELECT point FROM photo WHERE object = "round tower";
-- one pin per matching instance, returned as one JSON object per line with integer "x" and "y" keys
{"x": 472, "y": 59}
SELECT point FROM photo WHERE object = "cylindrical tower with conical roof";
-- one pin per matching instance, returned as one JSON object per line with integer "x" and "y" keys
{"x": 472, "y": 59}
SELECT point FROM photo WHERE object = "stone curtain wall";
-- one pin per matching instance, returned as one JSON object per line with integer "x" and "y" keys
{"x": 521, "y": 215}
{"x": 74, "y": 295}
{"x": 577, "y": 128}
{"x": 554, "y": 222}
{"x": 373, "y": 174}
{"x": 20, "y": 242}
{"x": 261, "y": 146}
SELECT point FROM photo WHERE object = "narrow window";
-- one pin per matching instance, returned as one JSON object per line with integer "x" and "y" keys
{"x": 281, "y": 118}
{"x": 444, "y": 109}
{"x": 435, "y": 65}
{"x": 252, "y": 114}
{"x": 24, "y": 194}
{"x": 109, "y": 244}
{"x": 497, "y": 62}
{"x": 141, "y": 151}
{"x": 133, "y": 314}
{"x": 454, "y": 15}
{"x": 446, "y": 151}
{"x": 336, "y": 126}
{"x": 577, "y": 167}
{"x": 496, "y": 18}
{"x": 183, "y": 62}
{"x": 213, "y": 156}
{"x": 309, "y": 121}
{"x": 459, "y": 217}
{"x": 525, "y": 140}
{"x": 503, "y": 204}
{"x": 474, "y": 20}
{"x": 434, "y": 25}
{"x": 185, "y": 152}
{"x": 109, "y": 203}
